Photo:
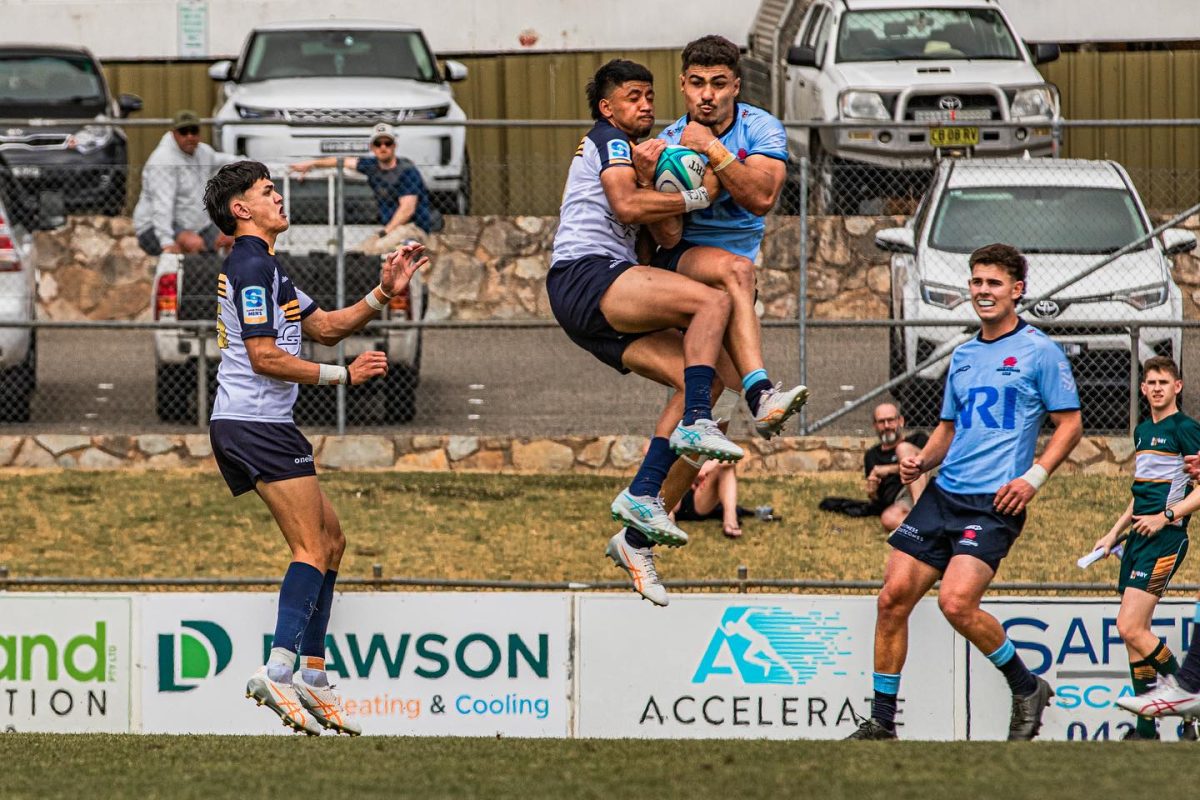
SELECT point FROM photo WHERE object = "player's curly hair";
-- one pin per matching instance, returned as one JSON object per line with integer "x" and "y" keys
{"x": 1002, "y": 255}
{"x": 230, "y": 181}
{"x": 712, "y": 51}
{"x": 1161, "y": 364}
{"x": 609, "y": 77}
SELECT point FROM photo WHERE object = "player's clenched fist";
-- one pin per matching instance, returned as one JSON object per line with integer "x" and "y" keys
{"x": 370, "y": 364}
{"x": 911, "y": 468}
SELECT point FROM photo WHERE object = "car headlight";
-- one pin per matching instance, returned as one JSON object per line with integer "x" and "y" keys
{"x": 433, "y": 112}
{"x": 1036, "y": 102}
{"x": 863, "y": 105}
{"x": 942, "y": 296}
{"x": 90, "y": 138}
{"x": 249, "y": 112}
{"x": 1144, "y": 297}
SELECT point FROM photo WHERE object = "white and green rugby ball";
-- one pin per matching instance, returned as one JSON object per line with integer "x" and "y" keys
{"x": 679, "y": 169}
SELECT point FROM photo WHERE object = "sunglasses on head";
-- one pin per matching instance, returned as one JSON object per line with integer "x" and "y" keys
{"x": 384, "y": 143}
{"x": 189, "y": 130}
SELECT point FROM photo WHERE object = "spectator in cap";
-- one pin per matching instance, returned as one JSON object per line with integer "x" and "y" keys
{"x": 404, "y": 208}
{"x": 170, "y": 216}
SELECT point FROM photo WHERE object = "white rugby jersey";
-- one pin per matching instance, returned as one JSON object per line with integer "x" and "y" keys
{"x": 255, "y": 297}
{"x": 587, "y": 225}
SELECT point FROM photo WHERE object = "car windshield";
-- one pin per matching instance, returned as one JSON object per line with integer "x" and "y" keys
{"x": 338, "y": 54}
{"x": 34, "y": 79}
{"x": 1037, "y": 219}
{"x": 942, "y": 34}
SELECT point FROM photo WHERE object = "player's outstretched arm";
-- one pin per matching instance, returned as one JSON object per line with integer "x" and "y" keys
{"x": 1016, "y": 494}
{"x": 330, "y": 327}
{"x": 931, "y": 455}
{"x": 1109, "y": 540}
{"x": 266, "y": 358}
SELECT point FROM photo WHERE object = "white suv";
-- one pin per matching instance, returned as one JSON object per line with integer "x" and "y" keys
{"x": 18, "y": 346}
{"x": 1065, "y": 216}
{"x": 314, "y": 75}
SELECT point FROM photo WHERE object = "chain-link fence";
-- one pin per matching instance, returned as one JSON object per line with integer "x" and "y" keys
{"x": 107, "y": 338}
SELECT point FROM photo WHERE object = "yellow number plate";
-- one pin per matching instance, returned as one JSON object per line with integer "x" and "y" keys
{"x": 953, "y": 137}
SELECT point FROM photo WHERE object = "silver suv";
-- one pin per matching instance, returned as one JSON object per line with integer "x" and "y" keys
{"x": 18, "y": 346}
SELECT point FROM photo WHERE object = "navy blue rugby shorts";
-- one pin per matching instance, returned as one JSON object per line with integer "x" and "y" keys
{"x": 575, "y": 288}
{"x": 943, "y": 524}
{"x": 668, "y": 257}
{"x": 249, "y": 452}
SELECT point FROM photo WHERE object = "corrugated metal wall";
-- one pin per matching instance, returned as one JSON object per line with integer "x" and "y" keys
{"x": 522, "y": 170}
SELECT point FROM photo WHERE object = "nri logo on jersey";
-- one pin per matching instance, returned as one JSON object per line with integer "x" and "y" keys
{"x": 254, "y": 305}
{"x": 992, "y": 407}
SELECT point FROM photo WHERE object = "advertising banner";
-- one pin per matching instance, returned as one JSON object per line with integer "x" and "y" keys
{"x": 752, "y": 666}
{"x": 1073, "y": 644}
{"x": 463, "y": 664}
{"x": 65, "y": 663}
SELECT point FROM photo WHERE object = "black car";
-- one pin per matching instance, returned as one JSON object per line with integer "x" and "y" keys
{"x": 77, "y": 168}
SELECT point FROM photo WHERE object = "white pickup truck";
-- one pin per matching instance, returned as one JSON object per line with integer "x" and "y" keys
{"x": 956, "y": 67}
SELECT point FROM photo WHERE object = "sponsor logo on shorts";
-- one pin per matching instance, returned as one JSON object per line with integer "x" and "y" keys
{"x": 909, "y": 531}
{"x": 303, "y": 460}
{"x": 618, "y": 152}
{"x": 1137, "y": 573}
{"x": 254, "y": 305}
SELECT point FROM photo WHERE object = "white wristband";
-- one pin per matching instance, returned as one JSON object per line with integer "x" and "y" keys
{"x": 333, "y": 374}
{"x": 1036, "y": 476}
{"x": 696, "y": 199}
{"x": 370, "y": 300}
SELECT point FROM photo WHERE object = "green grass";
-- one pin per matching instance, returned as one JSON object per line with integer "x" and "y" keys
{"x": 476, "y": 526}
{"x": 101, "y": 766}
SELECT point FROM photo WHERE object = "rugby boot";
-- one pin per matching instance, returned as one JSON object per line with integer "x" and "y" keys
{"x": 1167, "y": 699}
{"x": 648, "y": 515}
{"x": 325, "y": 705}
{"x": 281, "y": 698}
{"x": 776, "y": 406}
{"x": 704, "y": 438}
{"x": 1132, "y": 735}
{"x": 871, "y": 730}
{"x": 1027, "y": 710}
{"x": 639, "y": 563}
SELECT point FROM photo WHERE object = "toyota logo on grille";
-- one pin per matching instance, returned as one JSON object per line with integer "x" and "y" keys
{"x": 949, "y": 103}
{"x": 1046, "y": 308}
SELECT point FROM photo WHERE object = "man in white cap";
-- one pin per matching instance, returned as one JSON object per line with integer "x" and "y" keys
{"x": 404, "y": 208}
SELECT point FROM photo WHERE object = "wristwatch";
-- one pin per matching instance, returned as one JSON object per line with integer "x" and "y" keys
{"x": 1169, "y": 514}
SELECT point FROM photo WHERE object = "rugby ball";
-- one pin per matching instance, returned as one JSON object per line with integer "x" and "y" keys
{"x": 678, "y": 169}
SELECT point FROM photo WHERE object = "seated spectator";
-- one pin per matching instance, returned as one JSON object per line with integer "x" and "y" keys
{"x": 170, "y": 216}
{"x": 714, "y": 496}
{"x": 404, "y": 208}
{"x": 889, "y": 498}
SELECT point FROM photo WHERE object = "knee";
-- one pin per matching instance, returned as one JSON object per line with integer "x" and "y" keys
{"x": 1127, "y": 629}
{"x": 892, "y": 517}
{"x": 740, "y": 274}
{"x": 892, "y": 606}
{"x": 956, "y": 608}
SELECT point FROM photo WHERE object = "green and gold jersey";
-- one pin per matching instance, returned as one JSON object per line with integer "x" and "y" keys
{"x": 1159, "y": 479}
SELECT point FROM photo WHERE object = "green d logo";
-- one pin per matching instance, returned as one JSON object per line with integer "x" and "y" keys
{"x": 193, "y": 659}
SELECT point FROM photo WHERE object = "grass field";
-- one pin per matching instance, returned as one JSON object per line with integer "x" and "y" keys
{"x": 503, "y": 527}
{"x": 98, "y": 766}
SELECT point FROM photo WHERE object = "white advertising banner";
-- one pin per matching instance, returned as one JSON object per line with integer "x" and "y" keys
{"x": 1074, "y": 645}
{"x": 65, "y": 663}
{"x": 752, "y": 666}
{"x": 446, "y": 664}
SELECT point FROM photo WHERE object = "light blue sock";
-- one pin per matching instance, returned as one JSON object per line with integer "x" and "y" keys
{"x": 751, "y": 378}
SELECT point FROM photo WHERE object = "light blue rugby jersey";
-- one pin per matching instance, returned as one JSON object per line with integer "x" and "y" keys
{"x": 997, "y": 394}
{"x": 725, "y": 224}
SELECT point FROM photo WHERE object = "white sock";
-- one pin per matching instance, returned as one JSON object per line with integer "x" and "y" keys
{"x": 279, "y": 665}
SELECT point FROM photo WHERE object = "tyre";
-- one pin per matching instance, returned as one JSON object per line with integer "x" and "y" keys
{"x": 17, "y": 385}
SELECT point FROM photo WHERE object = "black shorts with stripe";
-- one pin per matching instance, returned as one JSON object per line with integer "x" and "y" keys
{"x": 249, "y": 452}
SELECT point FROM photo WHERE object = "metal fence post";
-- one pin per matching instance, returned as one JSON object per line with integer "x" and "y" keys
{"x": 340, "y": 260}
{"x": 202, "y": 378}
{"x": 1134, "y": 369}
{"x": 802, "y": 300}
{"x": 3, "y": 579}
{"x": 743, "y": 572}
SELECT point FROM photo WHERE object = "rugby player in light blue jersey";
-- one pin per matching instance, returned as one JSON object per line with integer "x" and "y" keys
{"x": 999, "y": 388}
{"x": 257, "y": 446}
{"x": 746, "y": 148}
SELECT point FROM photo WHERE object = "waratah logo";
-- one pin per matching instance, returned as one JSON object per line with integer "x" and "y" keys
{"x": 198, "y": 651}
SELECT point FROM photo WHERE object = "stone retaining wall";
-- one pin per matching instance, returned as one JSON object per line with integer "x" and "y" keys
{"x": 574, "y": 454}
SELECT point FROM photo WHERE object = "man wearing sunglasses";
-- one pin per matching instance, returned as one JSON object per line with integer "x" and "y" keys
{"x": 170, "y": 216}
{"x": 404, "y": 208}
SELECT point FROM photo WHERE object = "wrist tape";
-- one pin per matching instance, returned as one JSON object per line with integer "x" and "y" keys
{"x": 370, "y": 300}
{"x": 1036, "y": 476}
{"x": 718, "y": 156}
{"x": 696, "y": 199}
{"x": 333, "y": 374}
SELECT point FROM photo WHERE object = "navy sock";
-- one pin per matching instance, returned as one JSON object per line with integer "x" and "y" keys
{"x": 653, "y": 471}
{"x": 887, "y": 691}
{"x": 635, "y": 538}
{"x": 313, "y": 641}
{"x": 297, "y": 599}
{"x": 1189, "y": 674}
{"x": 755, "y": 392}
{"x": 697, "y": 393}
{"x": 1019, "y": 678}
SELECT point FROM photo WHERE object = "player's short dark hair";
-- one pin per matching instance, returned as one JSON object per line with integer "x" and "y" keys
{"x": 1161, "y": 364}
{"x": 1002, "y": 255}
{"x": 609, "y": 77}
{"x": 230, "y": 181}
{"x": 712, "y": 51}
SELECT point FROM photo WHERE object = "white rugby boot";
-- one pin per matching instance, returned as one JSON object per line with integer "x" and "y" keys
{"x": 281, "y": 698}
{"x": 639, "y": 563}
{"x": 1167, "y": 699}
{"x": 776, "y": 406}
{"x": 325, "y": 705}
{"x": 648, "y": 515}
{"x": 704, "y": 438}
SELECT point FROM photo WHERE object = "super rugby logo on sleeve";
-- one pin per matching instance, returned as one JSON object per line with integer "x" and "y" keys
{"x": 254, "y": 305}
{"x": 618, "y": 152}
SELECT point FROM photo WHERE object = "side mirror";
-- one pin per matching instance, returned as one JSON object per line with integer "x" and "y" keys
{"x": 802, "y": 56}
{"x": 896, "y": 240}
{"x": 454, "y": 71}
{"x": 221, "y": 70}
{"x": 1177, "y": 241}
{"x": 1044, "y": 52}
{"x": 128, "y": 103}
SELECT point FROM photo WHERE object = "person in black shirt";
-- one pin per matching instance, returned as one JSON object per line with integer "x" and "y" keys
{"x": 881, "y": 465}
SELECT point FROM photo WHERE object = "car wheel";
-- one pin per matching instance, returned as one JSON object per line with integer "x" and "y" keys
{"x": 400, "y": 395}
{"x": 17, "y": 385}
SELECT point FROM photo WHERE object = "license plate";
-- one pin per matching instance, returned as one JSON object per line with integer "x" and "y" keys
{"x": 344, "y": 146}
{"x": 957, "y": 136}
{"x": 23, "y": 171}
{"x": 1072, "y": 349}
